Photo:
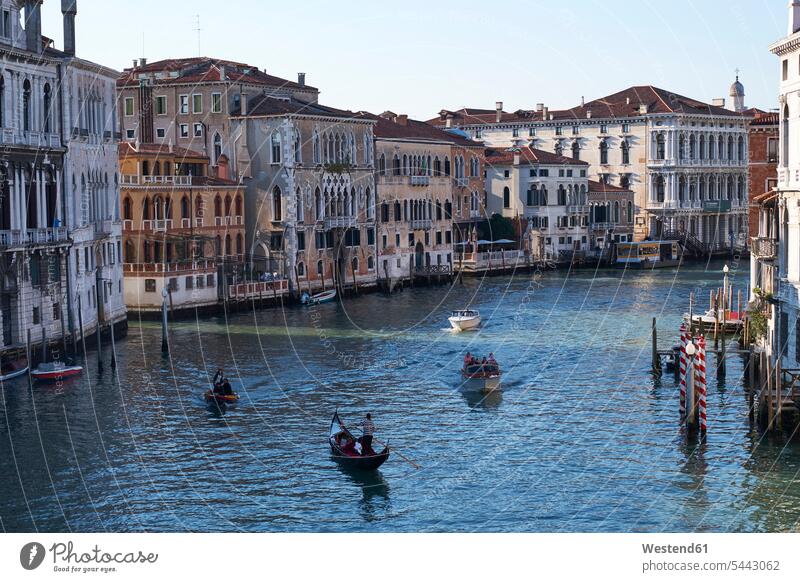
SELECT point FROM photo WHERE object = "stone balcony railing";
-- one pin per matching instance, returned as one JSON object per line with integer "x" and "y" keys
{"x": 421, "y": 223}
{"x": 340, "y": 222}
{"x": 136, "y": 180}
{"x": 764, "y": 248}
{"x": 420, "y": 180}
{"x": 34, "y": 236}
{"x": 578, "y": 209}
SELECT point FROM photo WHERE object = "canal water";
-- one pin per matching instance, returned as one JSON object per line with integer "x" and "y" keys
{"x": 582, "y": 438}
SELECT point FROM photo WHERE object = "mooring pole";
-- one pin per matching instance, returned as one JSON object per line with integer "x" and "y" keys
{"x": 752, "y": 377}
{"x": 164, "y": 340}
{"x": 656, "y": 359}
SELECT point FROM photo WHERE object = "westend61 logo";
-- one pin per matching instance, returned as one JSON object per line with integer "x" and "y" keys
{"x": 66, "y": 559}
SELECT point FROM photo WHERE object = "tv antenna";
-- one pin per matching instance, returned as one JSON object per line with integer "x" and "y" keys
{"x": 198, "y": 30}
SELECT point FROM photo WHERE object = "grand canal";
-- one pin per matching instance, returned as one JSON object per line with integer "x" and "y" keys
{"x": 582, "y": 438}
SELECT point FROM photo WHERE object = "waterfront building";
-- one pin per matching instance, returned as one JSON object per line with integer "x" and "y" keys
{"x": 611, "y": 217}
{"x": 183, "y": 228}
{"x": 775, "y": 260}
{"x": 59, "y": 181}
{"x": 310, "y": 191}
{"x": 417, "y": 192}
{"x": 762, "y": 162}
{"x": 548, "y": 191}
{"x": 188, "y": 102}
{"x": 685, "y": 160}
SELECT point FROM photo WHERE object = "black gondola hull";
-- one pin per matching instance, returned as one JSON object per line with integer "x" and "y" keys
{"x": 360, "y": 463}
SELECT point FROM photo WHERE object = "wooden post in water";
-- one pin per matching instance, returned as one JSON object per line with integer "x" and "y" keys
{"x": 113, "y": 348}
{"x": 164, "y": 339}
{"x": 656, "y": 358}
{"x": 751, "y": 365}
{"x": 770, "y": 409}
{"x": 716, "y": 320}
{"x": 721, "y": 354}
{"x": 778, "y": 396}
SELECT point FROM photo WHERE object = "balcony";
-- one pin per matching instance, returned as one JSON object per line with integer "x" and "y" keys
{"x": 202, "y": 266}
{"x": 340, "y": 222}
{"x": 578, "y": 209}
{"x": 136, "y": 180}
{"x": 103, "y": 228}
{"x": 225, "y": 221}
{"x": 421, "y": 224}
{"x": 461, "y": 182}
{"x": 420, "y": 180}
{"x": 764, "y": 248}
{"x": 162, "y": 225}
{"x": 36, "y": 236}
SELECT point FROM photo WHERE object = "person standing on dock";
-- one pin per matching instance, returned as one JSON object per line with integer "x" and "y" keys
{"x": 368, "y": 429}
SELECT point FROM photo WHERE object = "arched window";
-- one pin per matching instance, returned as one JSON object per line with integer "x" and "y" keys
{"x": 47, "y": 102}
{"x": 301, "y": 269}
{"x": 316, "y": 147}
{"x": 616, "y": 212}
{"x": 130, "y": 252}
{"x": 506, "y": 197}
{"x": 576, "y": 150}
{"x": 370, "y": 204}
{"x": 228, "y": 204}
{"x": 731, "y": 151}
{"x": 382, "y": 165}
{"x": 448, "y": 209}
{"x": 217, "y": 206}
{"x": 319, "y": 268}
{"x": 145, "y": 168}
{"x": 276, "y": 147}
{"x": 446, "y": 166}
{"x": 127, "y": 208}
{"x": 298, "y": 202}
{"x": 604, "y": 152}
{"x": 157, "y": 169}
{"x": 2, "y": 101}
{"x": 630, "y": 211}
{"x": 26, "y": 105}
{"x": 702, "y": 147}
{"x": 319, "y": 206}
{"x": 355, "y": 265}
{"x": 659, "y": 188}
{"x": 185, "y": 211}
{"x": 370, "y": 262}
{"x": 238, "y": 205}
{"x": 785, "y": 137}
{"x": 740, "y": 154}
{"x": 146, "y": 208}
{"x": 661, "y": 150}
{"x": 146, "y": 252}
{"x": 239, "y": 244}
{"x": 198, "y": 206}
{"x": 277, "y": 213}
{"x": 217, "y": 147}
{"x": 228, "y": 244}
{"x": 298, "y": 144}
{"x": 218, "y": 245}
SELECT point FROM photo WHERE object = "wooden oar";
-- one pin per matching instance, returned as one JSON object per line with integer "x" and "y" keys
{"x": 399, "y": 454}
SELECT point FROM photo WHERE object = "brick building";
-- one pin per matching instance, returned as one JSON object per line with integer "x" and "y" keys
{"x": 763, "y": 158}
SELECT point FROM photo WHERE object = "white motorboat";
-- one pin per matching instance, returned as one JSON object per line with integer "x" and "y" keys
{"x": 480, "y": 377}
{"x": 465, "y": 319}
{"x": 324, "y": 297}
{"x": 732, "y": 324}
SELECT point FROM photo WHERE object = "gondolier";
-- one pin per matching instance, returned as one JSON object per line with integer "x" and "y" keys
{"x": 368, "y": 429}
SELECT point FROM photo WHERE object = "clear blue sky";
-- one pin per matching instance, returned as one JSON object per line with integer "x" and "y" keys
{"x": 417, "y": 57}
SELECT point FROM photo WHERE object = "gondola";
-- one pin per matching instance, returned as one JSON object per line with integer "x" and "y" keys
{"x": 212, "y": 398}
{"x": 347, "y": 456}
{"x": 13, "y": 369}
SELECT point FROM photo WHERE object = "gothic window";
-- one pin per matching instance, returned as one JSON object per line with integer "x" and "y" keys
{"x": 26, "y": 105}
{"x": 218, "y": 206}
{"x": 370, "y": 204}
{"x": 315, "y": 140}
{"x": 2, "y": 101}
{"x": 318, "y": 204}
{"x": 382, "y": 165}
{"x": 446, "y": 166}
{"x": 297, "y": 147}
{"x": 228, "y": 204}
{"x": 276, "y": 147}
{"x": 603, "y": 152}
{"x": 702, "y": 147}
{"x": 299, "y": 205}
{"x": 396, "y": 166}
{"x": 682, "y": 147}
{"x": 506, "y": 197}
{"x": 217, "y": 147}
{"x": 239, "y": 244}
{"x": 626, "y": 153}
{"x": 127, "y": 210}
{"x": 47, "y": 99}
{"x": 185, "y": 212}
{"x": 740, "y": 154}
{"x": 276, "y": 204}
{"x": 659, "y": 188}
{"x": 692, "y": 147}
{"x": 661, "y": 151}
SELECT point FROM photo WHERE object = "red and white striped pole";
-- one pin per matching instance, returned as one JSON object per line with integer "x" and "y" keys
{"x": 700, "y": 382}
{"x": 684, "y": 339}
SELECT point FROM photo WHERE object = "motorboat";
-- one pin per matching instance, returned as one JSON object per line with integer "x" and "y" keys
{"x": 480, "y": 376}
{"x": 216, "y": 398}
{"x": 324, "y": 297}
{"x": 730, "y": 324}
{"x": 464, "y": 319}
{"x": 13, "y": 369}
{"x": 55, "y": 371}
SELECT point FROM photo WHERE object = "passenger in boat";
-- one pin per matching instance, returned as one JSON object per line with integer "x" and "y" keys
{"x": 227, "y": 390}
{"x": 367, "y": 428}
{"x": 218, "y": 382}
{"x": 467, "y": 359}
{"x": 491, "y": 359}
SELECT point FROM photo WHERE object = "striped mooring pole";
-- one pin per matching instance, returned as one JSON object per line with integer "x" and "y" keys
{"x": 700, "y": 382}
{"x": 684, "y": 339}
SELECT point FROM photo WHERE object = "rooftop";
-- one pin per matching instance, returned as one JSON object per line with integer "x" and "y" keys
{"x": 528, "y": 156}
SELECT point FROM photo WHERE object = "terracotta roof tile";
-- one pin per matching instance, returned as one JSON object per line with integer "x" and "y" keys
{"x": 400, "y": 127}
{"x": 600, "y": 187}
{"x": 528, "y": 155}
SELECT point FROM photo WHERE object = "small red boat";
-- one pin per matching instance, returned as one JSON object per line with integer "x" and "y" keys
{"x": 55, "y": 371}
{"x": 210, "y": 397}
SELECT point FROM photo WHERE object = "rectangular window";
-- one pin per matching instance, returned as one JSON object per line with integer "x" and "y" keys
{"x": 161, "y": 105}
{"x": 161, "y": 132}
{"x": 56, "y": 311}
{"x": 197, "y": 103}
{"x": 575, "y": 130}
{"x": 515, "y": 132}
{"x": 411, "y": 239}
{"x": 603, "y": 128}
{"x": 448, "y": 237}
{"x": 209, "y": 280}
{"x": 384, "y": 241}
{"x": 6, "y": 23}
{"x": 785, "y": 69}
{"x": 189, "y": 283}
{"x": 583, "y": 173}
{"x": 184, "y": 130}
{"x": 370, "y": 236}
{"x": 561, "y": 173}
{"x": 544, "y": 173}
{"x": 532, "y": 132}
{"x": 438, "y": 237}
{"x": 128, "y": 106}
{"x": 36, "y": 318}
{"x": 477, "y": 134}
{"x": 533, "y": 173}
{"x": 201, "y": 282}
{"x": 130, "y": 133}
{"x": 559, "y": 130}
{"x": 150, "y": 285}
{"x": 505, "y": 173}
{"x": 173, "y": 284}
{"x": 198, "y": 130}
{"x": 301, "y": 241}
{"x": 569, "y": 173}
{"x": 772, "y": 150}
{"x": 397, "y": 240}
{"x": 796, "y": 338}
{"x": 216, "y": 103}
{"x": 626, "y": 128}
{"x": 184, "y": 104}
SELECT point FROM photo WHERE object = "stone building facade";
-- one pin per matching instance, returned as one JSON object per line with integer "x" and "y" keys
{"x": 183, "y": 229}
{"x": 311, "y": 199}
{"x": 684, "y": 160}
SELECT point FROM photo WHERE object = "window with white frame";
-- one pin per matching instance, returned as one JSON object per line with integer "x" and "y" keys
{"x": 128, "y": 106}
{"x": 184, "y": 128}
{"x": 130, "y": 133}
{"x": 197, "y": 103}
{"x": 184, "y": 104}
{"x": 198, "y": 130}
{"x": 216, "y": 103}
{"x": 161, "y": 132}
{"x": 161, "y": 105}
{"x": 276, "y": 147}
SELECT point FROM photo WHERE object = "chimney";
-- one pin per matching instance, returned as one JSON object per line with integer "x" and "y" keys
{"x": 544, "y": 112}
{"x": 222, "y": 76}
{"x": 401, "y": 119}
{"x": 539, "y": 107}
{"x": 627, "y": 100}
{"x": 583, "y": 101}
{"x": 794, "y": 17}
{"x": 516, "y": 159}
{"x": 69, "y": 8}
{"x": 33, "y": 25}
{"x": 143, "y": 61}
{"x": 718, "y": 102}
{"x": 301, "y": 79}
{"x": 448, "y": 123}
{"x": 642, "y": 109}
{"x": 588, "y": 114}
{"x": 243, "y": 103}
{"x": 498, "y": 111}
{"x": 135, "y": 63}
